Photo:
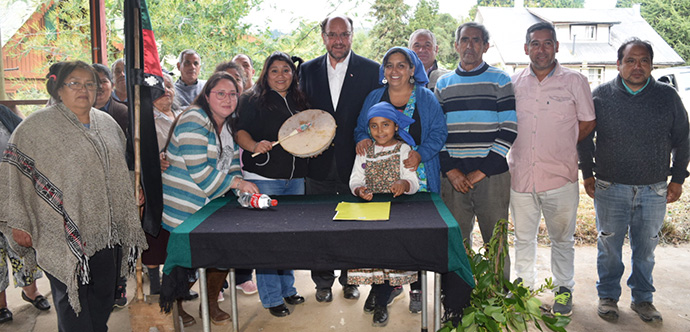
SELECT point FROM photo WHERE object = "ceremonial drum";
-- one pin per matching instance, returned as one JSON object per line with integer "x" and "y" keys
{"x": 314, "y": 140}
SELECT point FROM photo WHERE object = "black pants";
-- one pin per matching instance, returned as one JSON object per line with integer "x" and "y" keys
{"x": 456, "y": 292}
{"x": 96, "y": 298}
{"x": 325, "y": 279}
{"x": 382, "y": 292}
{"x": 417, "y": 285}
{"x": 242, "y": 275}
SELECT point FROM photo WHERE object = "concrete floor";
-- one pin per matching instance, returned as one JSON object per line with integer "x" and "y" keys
{"x": 672, "y": 299}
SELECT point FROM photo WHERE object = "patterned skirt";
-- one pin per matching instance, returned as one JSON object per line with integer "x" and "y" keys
{"x": 378, "y": 276}
{"x": 22, "y": 276}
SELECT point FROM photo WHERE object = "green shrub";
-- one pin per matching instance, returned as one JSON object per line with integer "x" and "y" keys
{"x": 496, "y": 303}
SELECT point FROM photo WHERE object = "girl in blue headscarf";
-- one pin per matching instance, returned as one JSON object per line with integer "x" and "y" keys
{"x": 381, "y": 169}
{"x": 403, "y": 78}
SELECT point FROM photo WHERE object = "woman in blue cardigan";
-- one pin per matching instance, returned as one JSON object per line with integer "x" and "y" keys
{"x": 403, "y": 77}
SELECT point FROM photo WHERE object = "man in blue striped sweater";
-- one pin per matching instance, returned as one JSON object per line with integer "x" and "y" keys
{"x": 479, "y": 105}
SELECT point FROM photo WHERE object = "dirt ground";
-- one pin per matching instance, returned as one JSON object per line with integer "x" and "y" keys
{"x": 672, "y": 298}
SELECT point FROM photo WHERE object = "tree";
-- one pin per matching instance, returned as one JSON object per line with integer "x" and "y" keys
{"x": 64, "y": 33}
{"x": 426, "y": 16}
{"x": 211, "y": 27}
{"x": 669, "y": 19}
{"x": 391, "y": 28}
{"x": 528, "y": 3}
{"x": 534, "y": 3}
{"x": 555, "y": 3}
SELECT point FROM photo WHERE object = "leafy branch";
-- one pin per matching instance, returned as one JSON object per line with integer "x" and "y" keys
{"x": 496, "y": 303}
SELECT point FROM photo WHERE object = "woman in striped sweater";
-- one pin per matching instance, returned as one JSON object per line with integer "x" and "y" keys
{"x": 204, "y": 164}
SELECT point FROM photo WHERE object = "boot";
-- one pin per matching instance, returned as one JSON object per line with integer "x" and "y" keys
{"x": 214, "y": 283}
{"x": 154, "y": 280}
{"x": 187, "y": 319}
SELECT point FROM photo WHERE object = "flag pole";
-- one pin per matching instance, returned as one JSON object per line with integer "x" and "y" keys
{"x": 137, "y": 142}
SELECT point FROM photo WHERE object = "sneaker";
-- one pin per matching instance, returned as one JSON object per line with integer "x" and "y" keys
{"x": 608, "y": 309}
{"x": 120, "y": 297}
{"x": 646, "y": 311}
{"x": 247, "y": 287}
{"x": 221, "y": 298}
{"x": 380, "y": 316}
{"x": 563, "y": 302}
{"x": 397, "y": 291}
{"x": 415, "y": 301}
{"x": 5, "y": 315}
{"x": 370, "y": 303}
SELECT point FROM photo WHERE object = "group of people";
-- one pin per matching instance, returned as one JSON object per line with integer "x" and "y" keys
{"x": 404, "y": 126}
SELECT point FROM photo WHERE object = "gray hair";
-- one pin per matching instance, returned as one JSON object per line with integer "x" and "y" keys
{"x": 185, "y": 52}
{"x": 481, "y": 27}
{"x": 421, "y": 32}
{"x": 112, "y": 67}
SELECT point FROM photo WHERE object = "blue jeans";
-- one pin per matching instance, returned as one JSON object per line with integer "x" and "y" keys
{"x": 280, "y": 186}
{"x": 637, "y": 210}
{"x": 274, "y": 285}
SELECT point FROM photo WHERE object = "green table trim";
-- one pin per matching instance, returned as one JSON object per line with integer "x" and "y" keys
{"x": 455, "y": 258}
{"x": 179, "y": 237}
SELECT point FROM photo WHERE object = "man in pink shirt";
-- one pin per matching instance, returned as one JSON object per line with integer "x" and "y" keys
{"x": 554, "y": 110}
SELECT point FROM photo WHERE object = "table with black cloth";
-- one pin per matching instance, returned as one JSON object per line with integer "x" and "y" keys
{"x": 300, "y": 233}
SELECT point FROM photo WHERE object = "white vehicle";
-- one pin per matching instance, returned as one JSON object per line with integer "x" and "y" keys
{"x": 679, "y": 78}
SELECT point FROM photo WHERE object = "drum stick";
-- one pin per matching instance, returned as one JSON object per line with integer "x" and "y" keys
{"x": 293, "y": 133}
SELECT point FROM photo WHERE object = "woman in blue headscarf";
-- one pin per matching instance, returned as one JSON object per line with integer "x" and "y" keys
{"x": 403, "y": 77}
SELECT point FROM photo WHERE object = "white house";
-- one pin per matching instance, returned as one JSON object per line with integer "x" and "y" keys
{"x": 589, "y": 38}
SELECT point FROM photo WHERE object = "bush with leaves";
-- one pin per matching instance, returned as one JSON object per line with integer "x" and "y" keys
{"x": 496, "y": 303}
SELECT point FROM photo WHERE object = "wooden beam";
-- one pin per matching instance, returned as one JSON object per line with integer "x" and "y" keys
{"x": 99, "y": 46}
{"x": 3, "y": 95}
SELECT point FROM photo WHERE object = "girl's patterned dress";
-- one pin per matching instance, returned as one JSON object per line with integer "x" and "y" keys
{"x": 381, "y": 170}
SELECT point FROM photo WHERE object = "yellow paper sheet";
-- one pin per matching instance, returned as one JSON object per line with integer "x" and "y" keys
{"x": 363, "y": 211}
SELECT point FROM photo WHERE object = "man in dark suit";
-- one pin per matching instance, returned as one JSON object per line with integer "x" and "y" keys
{"x": 336, "y": 82}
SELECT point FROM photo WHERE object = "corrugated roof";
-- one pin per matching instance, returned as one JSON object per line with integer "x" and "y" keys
{"x": 507, "y": 27}
{"x": 568, "y": 15}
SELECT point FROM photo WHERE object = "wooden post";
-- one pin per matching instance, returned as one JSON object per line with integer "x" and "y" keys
{"x": 99, "y": 46}
{"x": 3, "y": 95}
{"x": 137, "y": 138}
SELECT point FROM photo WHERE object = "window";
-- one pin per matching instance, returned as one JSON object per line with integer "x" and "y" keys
{"x": 594, "y": 76}
{"x": 583, "y": 32}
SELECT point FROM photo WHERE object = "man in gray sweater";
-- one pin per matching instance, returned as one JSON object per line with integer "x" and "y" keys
{"x": 641, "y": 124}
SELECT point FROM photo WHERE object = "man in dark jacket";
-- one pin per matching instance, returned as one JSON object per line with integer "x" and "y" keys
{"x": 336, "y": 82}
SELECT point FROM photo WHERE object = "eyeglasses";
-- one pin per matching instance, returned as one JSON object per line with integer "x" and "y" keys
{"x": 335, "y": 36}
{"x": 91, "y": 86}
{"x": 222, "y": 94}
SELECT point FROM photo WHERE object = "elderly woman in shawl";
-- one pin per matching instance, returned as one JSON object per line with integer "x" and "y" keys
{"x": 403, "y": 77}
{"x": 67, "y": 193}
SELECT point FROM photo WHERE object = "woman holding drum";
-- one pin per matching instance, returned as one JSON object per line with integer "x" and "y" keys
{"x": 403, "y": 77}
{"x": 262, "y": 110}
